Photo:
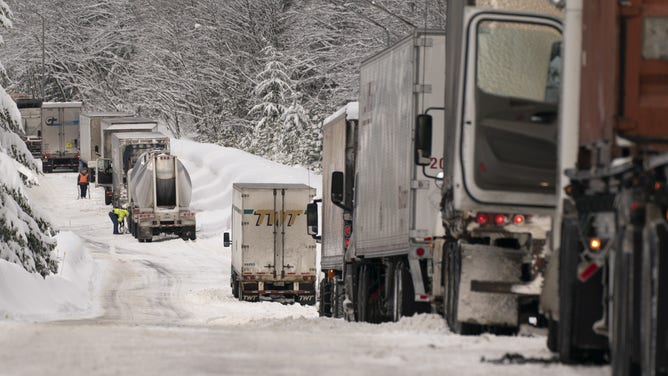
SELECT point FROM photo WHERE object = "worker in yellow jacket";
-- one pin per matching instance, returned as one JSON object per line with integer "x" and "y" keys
{"x": 117, "y": 216}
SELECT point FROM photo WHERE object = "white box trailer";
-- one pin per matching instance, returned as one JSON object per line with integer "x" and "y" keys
{"x": 90, "y": 135}
{"x": 273, "y": 257}
{"x": 396, "y": 213}
{"x": 60, "y": 135}
{"x": 123, "y": 124}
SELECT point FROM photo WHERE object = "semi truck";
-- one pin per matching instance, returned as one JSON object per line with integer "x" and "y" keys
{"x": 159, "y": 191}
{"x": 60, "y": 135}
{"x": 608, "y": 294}
{"x": 90, "y": 133}
{"x": 395, "y": 204}
{"x": 109, "y": 127}
{"x": 126, "y": 148}
{"x": 273, "y": 257}
{"x": 31, "y": 118}
{"x": 339, "y": 147}
{"x": 499, "y": 186}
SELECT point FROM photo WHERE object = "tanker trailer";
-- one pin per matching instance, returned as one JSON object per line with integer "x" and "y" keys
{"x": 159, "y": 191}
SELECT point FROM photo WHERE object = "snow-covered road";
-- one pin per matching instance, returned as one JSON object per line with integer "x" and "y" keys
{"x": 166, "y": 308}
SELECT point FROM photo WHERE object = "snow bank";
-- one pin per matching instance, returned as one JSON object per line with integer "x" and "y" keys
{"x": 65, "y": 295}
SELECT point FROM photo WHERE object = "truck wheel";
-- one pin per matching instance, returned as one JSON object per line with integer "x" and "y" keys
{"x": 451, "y": 256}
{"x": 403, "y": 294}
{"x": 235, "y": 289}
{"x": 325, "y": 307}
{"x": 653, "y": 301}
{"x": 366, "y": 308}
{"x": 338, "y": 299}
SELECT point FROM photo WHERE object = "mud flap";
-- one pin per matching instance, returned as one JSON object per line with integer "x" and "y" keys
{"x": 483, "y": 263}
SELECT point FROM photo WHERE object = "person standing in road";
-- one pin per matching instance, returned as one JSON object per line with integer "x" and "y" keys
{"x": 117, "y": 215}
{"x": 83, "y": 181}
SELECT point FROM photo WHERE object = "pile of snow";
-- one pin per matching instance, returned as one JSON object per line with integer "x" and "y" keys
{"x": 65, "y": 295}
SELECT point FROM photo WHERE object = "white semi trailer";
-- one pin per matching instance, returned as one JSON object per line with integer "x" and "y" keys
{"x": 109, "y": 127}
{"x": 90, "y": 135}
{"x": 60, "y": 135}
{"x": 396, "y": 202}
{"x": 339, "y": 148}
{"x": 273, "y": 257}
{"x": 159, "y": 191}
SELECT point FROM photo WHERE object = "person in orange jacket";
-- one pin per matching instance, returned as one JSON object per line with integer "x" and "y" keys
{"x": 83, "y": 180}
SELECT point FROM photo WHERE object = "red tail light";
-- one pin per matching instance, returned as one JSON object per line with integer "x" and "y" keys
{"x": 419, "y": 252}
{"x": 347, "y": 243}
{"x": 347, "y": 230}
{"x": 499, "y": 219}
{"x": 481, "y": 218}
{"x": 518, "y": 219}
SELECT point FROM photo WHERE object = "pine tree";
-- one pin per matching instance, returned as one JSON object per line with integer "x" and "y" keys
{"x": 273, "y": 92}
{"x": 24, "y": 235}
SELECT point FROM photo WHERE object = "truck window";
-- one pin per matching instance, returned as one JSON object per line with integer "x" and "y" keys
{"x": 516, "y": 106}
{"x": 517, "y": 60}
{"x": 655, "y": 38}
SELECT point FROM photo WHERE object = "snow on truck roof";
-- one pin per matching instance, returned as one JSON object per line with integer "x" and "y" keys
{"x": 128, "y": 120}
{"x": 105, "y": 114}
{"x": 351, "y": 110}
{"x": 138, "y": 126}
{"x": 61, "y": 104}
{"x": 140, "y": 134}
{"x": 270, "y": 186}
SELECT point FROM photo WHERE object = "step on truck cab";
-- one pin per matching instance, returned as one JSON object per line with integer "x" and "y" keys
{"x": 273, "y": 256}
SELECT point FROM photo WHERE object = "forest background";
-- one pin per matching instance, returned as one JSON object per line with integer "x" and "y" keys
{"x": 259, "y": 75}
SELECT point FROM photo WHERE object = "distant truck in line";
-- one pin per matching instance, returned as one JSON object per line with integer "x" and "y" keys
{"x": 109, "y": 127}
{"x": 60, "y": 135}
{"x": 339, "y": 148}
{"x": 91, "y": 135}
{"x": 273, "y": 257}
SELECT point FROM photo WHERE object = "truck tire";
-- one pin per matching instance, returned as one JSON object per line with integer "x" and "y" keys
{"x": 368, "y": 297}
{"x": 653, "y": 301}
{"x": 403, "y": 293}
{"x": 622, "y": 345}
{"x": 338, "y": 293}
{"x": 580, "y": 303}
{"x": 325, "y": 307}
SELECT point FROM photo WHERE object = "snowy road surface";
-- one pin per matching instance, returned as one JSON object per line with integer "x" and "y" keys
{"x": 166, "y": 308}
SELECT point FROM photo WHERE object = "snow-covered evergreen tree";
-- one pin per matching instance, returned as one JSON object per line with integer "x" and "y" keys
{"x": 273, "y": 92}
{"x": 24, "y": 234}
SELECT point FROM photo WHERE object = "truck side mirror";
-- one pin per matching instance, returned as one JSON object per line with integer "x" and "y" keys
{"x": 312, "y": 220}
{"x": 423, "y": 139}
{"x": 337, "y": 189}
{"x": 226, "y": 240}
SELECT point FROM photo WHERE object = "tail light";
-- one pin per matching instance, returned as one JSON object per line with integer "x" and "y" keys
{"x": 481, "y": 218}
{"x": 499, "y": 219}
{"x": 347, "y": 230}
{"x": 518, "y": 219}
{"x": 419, "y": 252}
{"x": 347, "y": 243}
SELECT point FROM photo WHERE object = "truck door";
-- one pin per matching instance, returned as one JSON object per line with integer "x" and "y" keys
{"x": 509, "y": 115}
{"x": 294, "y": 249}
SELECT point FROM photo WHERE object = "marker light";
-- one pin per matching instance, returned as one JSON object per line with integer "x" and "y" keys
{"x": 595, "y": 244}
{"x": 481, "y": 218}
{"x": 518, "y": 219}
{"x": 419, "y": 252}
{"x": 499, "y": 219}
